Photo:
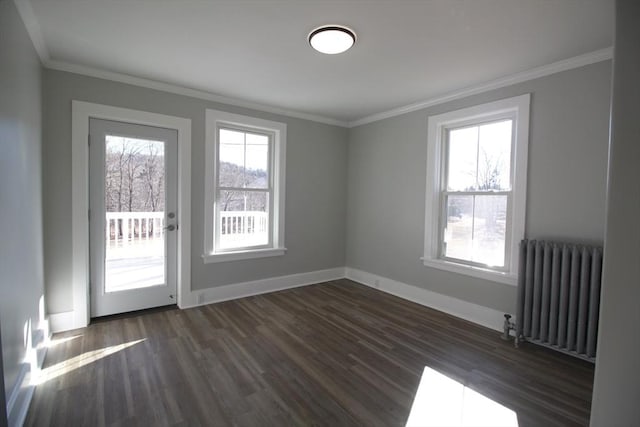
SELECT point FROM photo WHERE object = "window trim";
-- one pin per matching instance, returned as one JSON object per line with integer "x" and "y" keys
{"x": 277, "y": 133}
{"x": 516, "y": 107}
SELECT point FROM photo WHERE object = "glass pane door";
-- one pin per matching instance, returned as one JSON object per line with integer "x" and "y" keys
{"x": 133, "y": 221}
{"x": 134, "y": 217}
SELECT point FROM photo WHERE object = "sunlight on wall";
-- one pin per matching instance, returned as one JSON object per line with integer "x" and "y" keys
{"x": 79, "y": 361}
{"x": 443, "y": 402}
{"x": 36, "y": 338}
{"x": 42, "y": 319}
{"x": 30, "y": 352}
{"x": 26, "y": 334}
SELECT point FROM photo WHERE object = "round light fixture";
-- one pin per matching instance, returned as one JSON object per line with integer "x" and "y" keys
{"x": 332, "y": 39}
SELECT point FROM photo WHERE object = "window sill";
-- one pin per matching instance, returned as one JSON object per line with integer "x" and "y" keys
{"x": 240, "y": 255}
{"x": 468, "y": 270}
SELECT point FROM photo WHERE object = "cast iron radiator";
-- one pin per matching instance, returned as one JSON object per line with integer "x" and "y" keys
{"x": 559, "y": 296}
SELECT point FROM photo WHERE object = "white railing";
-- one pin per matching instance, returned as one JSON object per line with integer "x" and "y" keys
{"x": 242, "y": 222}
{"x": 125, "y": 228}
{"x": 243, "y": 229}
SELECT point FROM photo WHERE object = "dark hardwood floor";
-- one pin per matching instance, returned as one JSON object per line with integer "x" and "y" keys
{"x": 332, "y": 354}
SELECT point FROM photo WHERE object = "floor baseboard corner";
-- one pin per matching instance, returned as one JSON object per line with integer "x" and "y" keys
{"x": 481, "y": 315}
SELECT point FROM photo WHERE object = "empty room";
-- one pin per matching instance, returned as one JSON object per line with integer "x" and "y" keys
{"x": 329, "y": 213}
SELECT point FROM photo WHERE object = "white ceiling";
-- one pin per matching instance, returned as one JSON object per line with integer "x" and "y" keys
{"x": 257, "y": 51}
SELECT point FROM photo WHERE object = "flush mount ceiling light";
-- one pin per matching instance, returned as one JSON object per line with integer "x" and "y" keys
{"x": 332, "y": 39}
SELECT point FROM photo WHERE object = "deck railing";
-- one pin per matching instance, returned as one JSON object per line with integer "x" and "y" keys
{"x": 125, "y": 228}
{"x": 242, "y": 222}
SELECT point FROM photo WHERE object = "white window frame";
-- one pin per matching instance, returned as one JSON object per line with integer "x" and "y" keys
{"x": 516, "y": 108}
{"x": 277, "y": 132}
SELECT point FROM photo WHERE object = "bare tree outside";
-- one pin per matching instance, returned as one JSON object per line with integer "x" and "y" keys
{"x": 231, "y": 175}
{"x": 489, "y": 168}
{"x": 134, "y": 180}
{"x": 154, "y": 177}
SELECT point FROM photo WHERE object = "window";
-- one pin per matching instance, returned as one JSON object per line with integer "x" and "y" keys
{"x": 476, "y": 185}
{"x": 244, "y": 202}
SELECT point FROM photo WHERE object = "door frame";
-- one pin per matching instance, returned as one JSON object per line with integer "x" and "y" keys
{"x": 81, "y": 113}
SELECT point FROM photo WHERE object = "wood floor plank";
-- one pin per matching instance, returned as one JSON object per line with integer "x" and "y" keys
{"x": 332, "y": 354}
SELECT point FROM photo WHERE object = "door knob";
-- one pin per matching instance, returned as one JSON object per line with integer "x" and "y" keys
{"x": 170, "y": 227}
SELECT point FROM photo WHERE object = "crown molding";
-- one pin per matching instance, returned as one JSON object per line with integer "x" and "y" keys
{"x": 182, "y": 90}
{"x": 538, "y": 72}
{"x": 545, "y": 70}
{"x": 25, "y": 10}
{"x": 33, "y": 28}
{"x": 31, "y": 23}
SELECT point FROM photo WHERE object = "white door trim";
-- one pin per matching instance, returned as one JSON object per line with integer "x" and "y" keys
{"x": 81, "y": 112}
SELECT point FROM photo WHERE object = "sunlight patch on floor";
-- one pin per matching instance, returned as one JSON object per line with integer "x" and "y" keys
{"x": 443, "y": 402}
{"x": 62, "y": 368}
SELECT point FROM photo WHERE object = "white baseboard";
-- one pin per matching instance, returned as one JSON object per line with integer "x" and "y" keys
{"x": 60, "y": 322}
{"x": 475, "y": 313}
{"x": 263, "y": 286}
{"x": 20, "y": 395}
{"x": 19, "y": 398}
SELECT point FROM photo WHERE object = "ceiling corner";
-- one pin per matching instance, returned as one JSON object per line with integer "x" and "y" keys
{"x": 33, "y": 28}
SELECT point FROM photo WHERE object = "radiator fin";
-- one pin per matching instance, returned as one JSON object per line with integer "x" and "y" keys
{"x": 559, "y": 296}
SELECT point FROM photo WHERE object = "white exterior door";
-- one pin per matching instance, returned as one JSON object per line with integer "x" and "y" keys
{"x": 133, "y": 216}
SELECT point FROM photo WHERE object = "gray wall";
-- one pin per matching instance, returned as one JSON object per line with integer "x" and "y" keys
{"x": 3, "y": 400}
{"x": 315, "y": 195}
{"x": 566, "y": 181}
{"x": 616, "y": 391}
{"x": 21, "y": 272}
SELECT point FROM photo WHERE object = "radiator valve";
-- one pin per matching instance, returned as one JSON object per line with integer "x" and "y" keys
{"x": 508, "y": 326}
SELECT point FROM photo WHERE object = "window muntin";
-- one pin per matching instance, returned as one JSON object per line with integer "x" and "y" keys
{"x": 477, "y": 193}
{"x": 479, "y": 156}
{"x": 244, "y": 191}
